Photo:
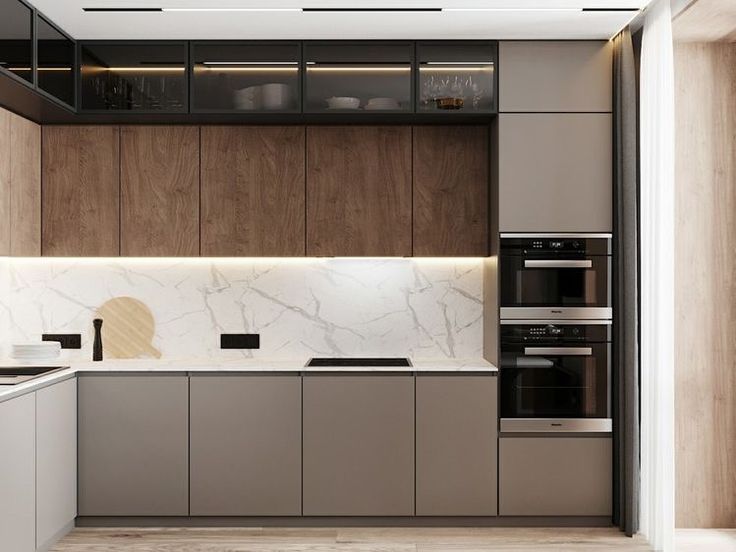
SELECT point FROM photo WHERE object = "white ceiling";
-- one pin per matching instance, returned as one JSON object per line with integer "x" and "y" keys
{"x": 525, "y": 21}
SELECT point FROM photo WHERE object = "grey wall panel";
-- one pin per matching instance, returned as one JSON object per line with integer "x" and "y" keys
{"x": 555, "y": 76}
{"x": 246, "y": 445}
{"x": 133, "y": 445}
{"x": 358, "y": 445}
{"x": 456, "y": 437}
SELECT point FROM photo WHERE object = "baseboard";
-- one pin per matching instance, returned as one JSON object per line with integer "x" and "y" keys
{"x": 237, "y": 521}
{"x": 49, "y": 544}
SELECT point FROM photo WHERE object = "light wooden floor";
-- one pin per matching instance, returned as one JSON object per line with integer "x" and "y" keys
{"x": 381, "y": 540}
{"x": 349, "y": 540}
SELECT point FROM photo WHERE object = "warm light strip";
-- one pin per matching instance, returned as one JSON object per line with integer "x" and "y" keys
{"x": 447, "y": 68}
{"x": 360, "y": 69}
{"x": 250, "y": 63}
{"x": 489, "y": 62}
{"x": 40, "y": 68}
{"x": 230, "y": 260}
{"x": 246, "y": 69}
{"x": 144, "y": 69}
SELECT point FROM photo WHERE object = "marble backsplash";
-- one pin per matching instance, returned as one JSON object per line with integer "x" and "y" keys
{"x": 431, "y": 308}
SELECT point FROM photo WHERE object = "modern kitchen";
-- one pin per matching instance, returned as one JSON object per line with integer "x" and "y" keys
{"x": 338, "y": 276}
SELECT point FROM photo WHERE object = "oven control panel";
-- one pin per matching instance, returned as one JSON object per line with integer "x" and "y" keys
{"x": 555, "y": 246}
{"x": 552, "y": 333}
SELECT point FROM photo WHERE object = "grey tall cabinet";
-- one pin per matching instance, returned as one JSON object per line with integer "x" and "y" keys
{"x": 555, "y": 137}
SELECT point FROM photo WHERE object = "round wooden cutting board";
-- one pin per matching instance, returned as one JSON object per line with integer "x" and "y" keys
{"x": 128, "y": 329}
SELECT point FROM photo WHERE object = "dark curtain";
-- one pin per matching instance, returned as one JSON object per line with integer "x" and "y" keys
{"x": 626, "y": 287}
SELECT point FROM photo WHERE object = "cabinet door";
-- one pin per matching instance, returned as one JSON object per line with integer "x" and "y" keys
{"x": 160, "y": 191}
{"x": 556, "y": 76}
{"x": 18, "y": 474}
{"x": 555, "y": 173}
{"x": 81, "y": 191}
{"x": 457, "y": 435}
{"x": 359, "y": 191}
{"x": 56, "y": 460}
{"x": 253, "y": 191}
{"x": 5, "y": 222}
{"x": 555, "y": 476}
{"x": 25, "y": 187}
{"x": 133, "y": 445}
{"x": 358, "y": 445}
{"x": 246, "y": 445}
{"x": 450, "y": 191}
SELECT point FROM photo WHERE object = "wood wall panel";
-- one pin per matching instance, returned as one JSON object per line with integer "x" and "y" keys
{"x": 159, "y": 191}
{"x": 4, "y": 182}
{"x": 25, "y": 187}
{"x": 359, "y": 191}
{"x": 705, "y": 285}
{"x": 450, "y": 171}
{"x": 81, "y": 191}
{"x": 253, "y": 191}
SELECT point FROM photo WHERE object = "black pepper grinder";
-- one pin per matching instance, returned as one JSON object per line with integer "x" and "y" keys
{"x": 97, "y": 346}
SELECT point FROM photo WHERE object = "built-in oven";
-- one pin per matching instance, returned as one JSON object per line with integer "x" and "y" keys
{"x": 550, "y": 276}
{"x": 555, "y": 375}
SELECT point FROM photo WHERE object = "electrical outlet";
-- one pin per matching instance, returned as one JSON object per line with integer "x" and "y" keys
{"x": 68, "y": 341}
{"x": 240, "y": 341}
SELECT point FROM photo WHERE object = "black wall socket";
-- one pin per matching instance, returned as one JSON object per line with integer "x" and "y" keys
{"x": 68, "y": 341}
{"x": 240, "y": 341}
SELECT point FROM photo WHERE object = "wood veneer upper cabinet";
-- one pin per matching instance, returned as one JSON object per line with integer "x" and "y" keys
{"x": 160, "y": 191}
{"x": 5, "y": 221}
{"x": 555, "y": 76}
{"x": 451, "y": 191}
{"x": 359, "y": 191}
{"x": 25, "y": 187}
{"x": 253, "y": 191}
{"x": 81, "y": 191}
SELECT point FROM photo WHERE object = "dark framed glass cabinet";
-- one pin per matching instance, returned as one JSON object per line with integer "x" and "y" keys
{"x": 134, "y": 76}
{"x": 16, "y": 39}
{"x": 358, "y": 76}
{"x": 56, "y": 61}
{"x": 246, "y": 76}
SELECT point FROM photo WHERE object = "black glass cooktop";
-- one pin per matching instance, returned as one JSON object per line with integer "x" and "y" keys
{"x": 368, "y": 362}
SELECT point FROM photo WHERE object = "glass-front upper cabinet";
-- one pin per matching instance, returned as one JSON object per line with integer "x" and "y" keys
{"x": 237, "y": 76}
{"x": 55, "y": 61}
{"x": 134, "y": 76}
{"x": 16, "y": 39}
{"x": 457, "y": 76}
{"x": 358, "y": 76}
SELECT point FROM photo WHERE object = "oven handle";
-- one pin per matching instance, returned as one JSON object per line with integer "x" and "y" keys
{"x": 554, "y": 263}
{"x": 563, "y": 351}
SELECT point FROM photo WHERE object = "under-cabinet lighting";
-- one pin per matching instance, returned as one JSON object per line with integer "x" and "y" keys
{"x": 223, "y": 69}
{"x": 227, "y": 260}
{"x": 144, "y": 69}
{"x": 250, "y": 63}
{"x": 452, "y": 67}
{"x": 512, "y": 9}
{"x": 311, "y": 67}
{"x": 231, "y": 9}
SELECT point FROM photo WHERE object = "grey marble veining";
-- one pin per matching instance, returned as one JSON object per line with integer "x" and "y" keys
{"x": 425, "y": 308}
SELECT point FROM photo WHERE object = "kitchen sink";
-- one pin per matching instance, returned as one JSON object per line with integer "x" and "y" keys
{"x": 20, "y": 374}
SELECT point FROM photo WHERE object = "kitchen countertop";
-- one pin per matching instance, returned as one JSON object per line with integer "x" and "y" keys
{"x": 73, "y": 367}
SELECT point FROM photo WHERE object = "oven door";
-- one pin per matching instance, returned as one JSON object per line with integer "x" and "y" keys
{"x": 533, "y": 287}
{"x": 555, "y": 382}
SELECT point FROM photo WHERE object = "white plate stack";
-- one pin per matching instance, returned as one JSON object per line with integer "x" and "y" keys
{"x": 383, "y": 104}
{"x": 35, "y": 352}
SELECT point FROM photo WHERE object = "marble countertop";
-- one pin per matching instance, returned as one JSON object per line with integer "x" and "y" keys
{"x": 72, "y": 367}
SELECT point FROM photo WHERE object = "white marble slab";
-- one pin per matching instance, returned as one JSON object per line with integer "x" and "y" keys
{"x": 76, "y": 366}
{"x": 429, "y": 308}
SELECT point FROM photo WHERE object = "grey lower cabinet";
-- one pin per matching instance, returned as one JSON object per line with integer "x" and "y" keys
{"x": 18, "y": 474}
{"x": 456, "y": 445}
{"x": 555, "y": 476}
{"x": 358, "y": 436}
{"x": 555, "y": 172}
{"x": 245, "y": 445}
{"x": 133, "y": 445}
{"x": 56, "y": 461}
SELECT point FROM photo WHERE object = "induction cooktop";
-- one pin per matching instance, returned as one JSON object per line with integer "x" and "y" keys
{"x": 367, "y": 362}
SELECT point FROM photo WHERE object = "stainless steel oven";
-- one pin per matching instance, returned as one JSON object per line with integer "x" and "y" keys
{"x": 555, "y": 375}
{"x": 551, "y": 276}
